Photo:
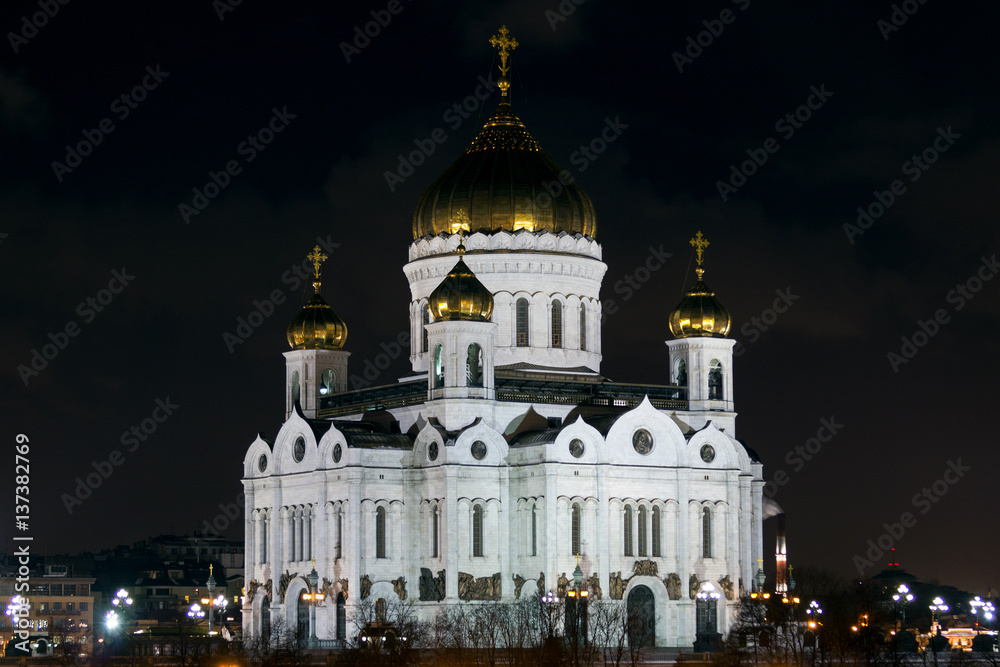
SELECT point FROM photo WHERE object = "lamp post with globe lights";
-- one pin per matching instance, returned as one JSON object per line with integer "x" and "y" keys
{"x": 313, "y": 597}
{"x": 116, "y": 619}
{"x": 983, "y": 609}
{"x": 937, "y": 605}
{"x": 902, "y": 638}
{"x": 196, "y": 613}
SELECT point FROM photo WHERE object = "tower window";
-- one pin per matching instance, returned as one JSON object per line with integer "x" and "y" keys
{"x": 338, "y": 552}
{"x": 583, "y": 326}
{"x": 681, "y": 374}
{"x": 380, "y": 532}
{"x": 657, "y": 552}
{"x": 328, "y": 381}
{"x": 715, "y": 380}
{"x": 477, "y": 530}
{"x": 642, "y": 531}
{"x": 438, "y": 366}
{"x": 295, "y": 387}
{"x": 557, "y": 324}
{"x": 706, "y": 533}
{"x": 521, "y": 324}
{"x": 628, "y": 530}
{"x": 474, "y": 366}
{"x": 435, "y": 526}
{"x": 577, "y": 520}
{"x": 426, "y": 320}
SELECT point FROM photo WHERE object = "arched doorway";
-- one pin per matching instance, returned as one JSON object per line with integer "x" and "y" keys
{"x": 265, "y": 619}
{"x": 302, "y": 618}
{"x": 341, "y": 616}
{"x": 641, "y": 610}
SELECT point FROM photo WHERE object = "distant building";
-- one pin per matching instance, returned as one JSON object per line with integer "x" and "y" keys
{"x": 60, "y": 610}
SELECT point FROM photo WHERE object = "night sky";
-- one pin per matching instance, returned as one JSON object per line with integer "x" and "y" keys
{"x": 903, "y": 113}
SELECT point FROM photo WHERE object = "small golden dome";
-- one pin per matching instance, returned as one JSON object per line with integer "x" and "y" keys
{"x": 504, "y": 181}
{"x": 699, "y": 313}
{"x": 317, "y": 327}
{"x": 460, "y": 296}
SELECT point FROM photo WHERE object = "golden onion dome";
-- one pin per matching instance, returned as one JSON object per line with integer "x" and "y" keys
{"x": 317, "y": 327}
{"x": 699, "y": 313}
{"x": 504, "y": 181}
{"x": 460, "y": 296}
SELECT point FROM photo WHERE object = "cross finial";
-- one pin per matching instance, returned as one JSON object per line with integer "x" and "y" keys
{"x": 503, "y": 43}
{"x": 210, "y": 569}
{"x": 459, "y": 222}
{"x": 317, "y": 257}
{"x": 700, "y": 243}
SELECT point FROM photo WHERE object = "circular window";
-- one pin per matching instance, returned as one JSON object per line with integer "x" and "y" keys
{"x": 642, "y": 441}
{"x": 262, "y": 463}
{"x": 479, "y": 450}
{"x": 299, "y": 450}
{"x": 432, "y": 451}
{"x": 707, "y": 453}
{"x": 576, "y": 448}
{"x": 337, "y": 453}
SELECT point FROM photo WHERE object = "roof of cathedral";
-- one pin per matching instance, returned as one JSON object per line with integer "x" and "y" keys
{"x": 317, "y": 327}
{"x": 700, "y": 314}
{"x": 460, "y": 296}
{"x": 504, "y": 181}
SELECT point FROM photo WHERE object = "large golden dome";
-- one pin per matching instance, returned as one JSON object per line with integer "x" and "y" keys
{"x": 460, "y": 296}
{"x": 499, "y": 182}
{"x": 699, "y": 313}
{"x": 317, "y": 327}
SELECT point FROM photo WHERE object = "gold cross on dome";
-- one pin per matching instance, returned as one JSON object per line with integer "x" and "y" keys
{"x": 700, "y": 243}
{"x": 504, "y": 44}
{"x": 317, "y": 257}
{"x": 459, "y": 222}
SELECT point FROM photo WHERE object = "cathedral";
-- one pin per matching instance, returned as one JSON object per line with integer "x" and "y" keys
{"x": 505, "y": 460}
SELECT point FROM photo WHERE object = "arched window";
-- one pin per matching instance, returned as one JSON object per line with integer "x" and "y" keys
{"x": 557, "y": 324}
{"x": 657, "y": 552}
{"x": 715, "y": 380}
{"x": 628, "y": 530}
{"x": 380, "y": 532}
{"x": 380, "y": 610}
{"x": 435, "y": 527}
{"x": 328, "y": 382}
{"x": 521, "y": 323}
{"x": 295, "y": 387}
{"x": 642, "y": 531}
{"x": 583, "y": 326}
{"x": 576, "y": 528}
{"x": 302, "y": 619}
{"x": 706, "y": 533}
{"x": 474, "y": 366}
{"x": 477, "y": 530}
{"x": 681, "y": 375}
{"x": 534, "y": 530}
{"x": 438, "y": 366}
{"x": 426, "y": 321}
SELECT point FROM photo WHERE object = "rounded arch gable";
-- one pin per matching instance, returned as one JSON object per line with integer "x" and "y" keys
{"x": 668, "y": 441}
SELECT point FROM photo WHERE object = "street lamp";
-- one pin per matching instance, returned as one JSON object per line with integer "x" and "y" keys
{"x": 551, "y": 601}
{"x": 313, "y": 597}
{"x": 196, "y": 613}
{"x": 576, "y": 606}
{"x": 937, "y": 606}
{"x": 901, "y": 597}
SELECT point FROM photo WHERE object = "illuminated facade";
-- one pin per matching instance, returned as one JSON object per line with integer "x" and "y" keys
{"x": 505, "y": 457}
